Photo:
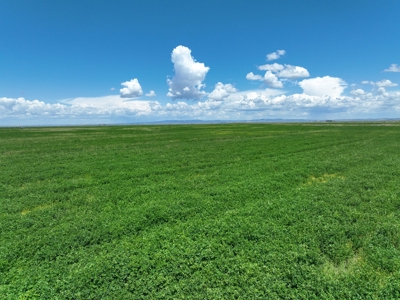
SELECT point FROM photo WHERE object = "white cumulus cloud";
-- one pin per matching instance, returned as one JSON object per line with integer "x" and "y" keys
{"x": 252, "y": 76}
{"x": 382, "y": 91}
{"x": 271, "y": 67}
{"x": 131, "y": 89}
{"x": 323, "y": 86}
{"x": 221, "y": 91}
{"x": 284, "y": 71}
{"x": 250, "y": 104}
{"x": 151, "y": 94}
{"x": 70, "y": 108}
{"x": 189, "y": 75}
{"x": 271, "y": 80}
{"x": 293, "y": 72}
{"x": 357, "y": 92}
{"x": 276, "y": 54}
{"x": 393, "y": 68}
{"x": 385, "y": 83}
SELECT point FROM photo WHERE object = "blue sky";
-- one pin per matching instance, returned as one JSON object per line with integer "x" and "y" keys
{"x": 74, "y": 62}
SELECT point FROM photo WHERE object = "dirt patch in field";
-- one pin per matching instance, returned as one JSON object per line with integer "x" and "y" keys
{"x": 323, "y": 179}
{"x": 349, "y": 266}
{"x": 37, "y": 208}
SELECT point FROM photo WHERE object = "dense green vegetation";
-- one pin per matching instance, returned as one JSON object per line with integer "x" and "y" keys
{"x": 268, "y": 211}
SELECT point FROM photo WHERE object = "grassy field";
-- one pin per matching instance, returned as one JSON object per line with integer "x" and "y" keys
{"x": 233, "y": 211}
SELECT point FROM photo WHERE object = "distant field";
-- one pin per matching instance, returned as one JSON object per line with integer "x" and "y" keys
{"x": 246, "y": 211}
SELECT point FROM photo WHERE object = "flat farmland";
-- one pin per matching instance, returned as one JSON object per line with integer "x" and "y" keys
{"x": 231, "y": 211}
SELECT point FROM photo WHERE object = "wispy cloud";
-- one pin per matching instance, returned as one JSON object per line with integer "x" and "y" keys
{"x": 393, "y": 68}
{"x": 381, "y": 83}
{"x": 275, "y": 55}
{"x": 151, "y": 94}
{"x": 271, "y": 67}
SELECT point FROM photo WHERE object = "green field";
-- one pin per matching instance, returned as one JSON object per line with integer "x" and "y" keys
{"x": 233, "y": 211}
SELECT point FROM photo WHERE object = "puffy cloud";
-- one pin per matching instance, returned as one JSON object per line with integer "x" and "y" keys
{"x": 251, "y": 76}
{"x": 221, "y": 91}
{"x": 323, "y": 86}
{"x": 393, "y": 68}
{"x": 285, "y": 71}
{"x": 131, "y": 89}
{"x": 271, "y": 80}
{"x": 276, "y": 54}
{"x": 320, "y": 95}
{"x": 252, "y": 104}
{"x": 271, "y": 67}
{"x": 385, "y": 83}
{"x": 189, "y": 75}
{"x": 357, "y": 92}
{"x": 151, "y": 94}
{"x": 303, "y": 104}
{"x": 293, "y": 72}
{"x": 276, "y": 71}
{"x": 382, "y": 91}
{"x": 11, "y": 107}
